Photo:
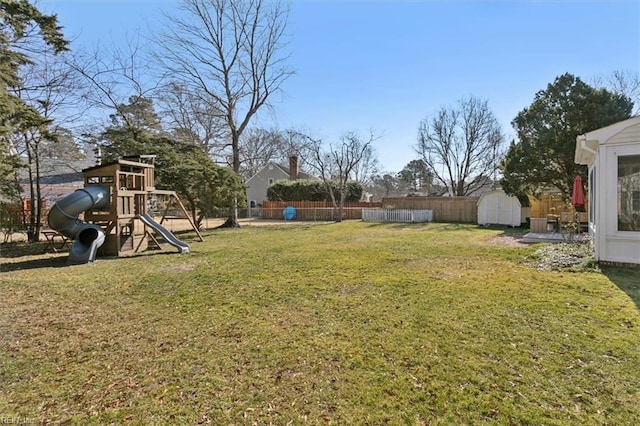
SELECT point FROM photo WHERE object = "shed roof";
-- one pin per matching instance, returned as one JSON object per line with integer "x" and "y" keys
{"x": 523, "y": 199}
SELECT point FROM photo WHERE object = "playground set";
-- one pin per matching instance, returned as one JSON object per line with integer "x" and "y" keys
{"x": 116, "y": 202}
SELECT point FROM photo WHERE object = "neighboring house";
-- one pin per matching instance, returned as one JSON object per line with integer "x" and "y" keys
{"x": 54, "y": 187}
{"x": 259, "y": 183}
{"x": 612, "y": 154}
{"x": 57, "y": 179}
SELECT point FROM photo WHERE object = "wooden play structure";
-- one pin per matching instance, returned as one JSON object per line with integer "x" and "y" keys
{"x": 131, "y": 189}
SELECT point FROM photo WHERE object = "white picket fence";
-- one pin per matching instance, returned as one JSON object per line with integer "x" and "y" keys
{"x": 397, "y": 215}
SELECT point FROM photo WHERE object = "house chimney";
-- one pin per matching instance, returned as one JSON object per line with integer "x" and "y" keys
{"x": 293, "y": 167}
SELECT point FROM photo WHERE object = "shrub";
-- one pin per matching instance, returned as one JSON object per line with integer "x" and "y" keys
{"x": 309, "y": 190}
{"x": 10, "y": 220}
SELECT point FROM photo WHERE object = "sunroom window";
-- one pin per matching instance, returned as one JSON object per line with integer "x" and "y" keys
{"x": 629, "y": 193}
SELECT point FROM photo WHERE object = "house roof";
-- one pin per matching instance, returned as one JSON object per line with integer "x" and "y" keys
{"x": 54, "y": 171}
{"x": 61, "y": 178}
{"x": 587, "y": 145}
{"x": 301, "y": 174}
{"x": 286, "y": 170}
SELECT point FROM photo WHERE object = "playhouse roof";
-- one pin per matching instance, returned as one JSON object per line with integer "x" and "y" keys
{"x": 121, "y": 162}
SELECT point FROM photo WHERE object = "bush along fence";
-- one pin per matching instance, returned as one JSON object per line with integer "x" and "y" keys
{"x": 314, "y": 210}
{"x": 397, "y": 215}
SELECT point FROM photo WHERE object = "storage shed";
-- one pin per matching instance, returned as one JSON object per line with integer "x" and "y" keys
{"x": 498, "y": 208}
{"x": 612, "y": 155}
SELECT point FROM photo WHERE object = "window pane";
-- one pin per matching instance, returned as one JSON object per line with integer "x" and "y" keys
{"x": 629, "y": 193}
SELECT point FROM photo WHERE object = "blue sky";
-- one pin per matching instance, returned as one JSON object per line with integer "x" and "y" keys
{"x": 386, "y": 65}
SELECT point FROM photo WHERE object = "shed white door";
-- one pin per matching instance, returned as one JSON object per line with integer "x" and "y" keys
{"x": 500, "y": 210}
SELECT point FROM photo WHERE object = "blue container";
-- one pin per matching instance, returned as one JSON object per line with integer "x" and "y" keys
{"x": 289, "y": 213}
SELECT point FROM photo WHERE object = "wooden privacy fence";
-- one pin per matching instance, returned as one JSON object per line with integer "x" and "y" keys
{"x": 445, "y": 209}
{"x": 313, "y": 210}
{"x": 397, "y": 215}
{"x": 552, "y": 204}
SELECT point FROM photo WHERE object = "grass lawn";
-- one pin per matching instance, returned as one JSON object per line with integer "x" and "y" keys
{"x": 350, "y": 323}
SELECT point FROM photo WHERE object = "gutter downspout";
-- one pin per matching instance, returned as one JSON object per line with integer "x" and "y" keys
{"x": 583, "y": 145}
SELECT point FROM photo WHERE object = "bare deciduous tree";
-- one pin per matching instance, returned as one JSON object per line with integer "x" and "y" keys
{"x": 47, "y": 87}
{"x": 233, "y": 51}
{"x": 258, "y": 147}
{"x": 461, "y": 145}
{"x": 230, "y": 51}
{"x": 337, "y": 162}
{"x": 194, "y": 119}
{"x": 365, "y": 170}
{"x": 625, "y": 83}
{"x": 112, "y": 75}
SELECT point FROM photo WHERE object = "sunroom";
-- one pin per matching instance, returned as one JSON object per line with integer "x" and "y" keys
{"x": 612, "y": 155}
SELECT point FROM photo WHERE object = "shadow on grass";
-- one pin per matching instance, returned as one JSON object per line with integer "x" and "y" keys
{"x": 397, "y": 225}
{"x": 61, "y": 260}
{"x": 627, "y": 280}
{"x": 146, "y": 253}
{"x": 506, "y": 229}
{"x": 450, "y": 226}
{"x": 50, "y": 262}
{"x": 23, "y": 248}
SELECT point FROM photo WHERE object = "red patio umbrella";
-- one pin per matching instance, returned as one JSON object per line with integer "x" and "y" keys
{"x": 577, "y": 196}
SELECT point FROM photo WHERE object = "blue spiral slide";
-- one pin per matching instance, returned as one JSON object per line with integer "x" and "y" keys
{"x": 63, "y": 217}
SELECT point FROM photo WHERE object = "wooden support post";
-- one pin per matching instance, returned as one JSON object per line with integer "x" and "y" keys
{"x": 193, "y": 225}
{"x": 151, "y": 237}
{"x": 166, "y": 209}
{"x": 172, "y": 195}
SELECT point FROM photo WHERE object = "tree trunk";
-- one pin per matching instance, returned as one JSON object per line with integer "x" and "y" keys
{"x": 194, "y": 216}
{"x": 199, "y": 222}
{"x": 232, "y": 221}
{"x": 341, "y": 206}
{"x": 38, "y": 221}
{"x": 336, "y": 208}
{"x": 31, "y": 236}
{"x": 229, "y": 223}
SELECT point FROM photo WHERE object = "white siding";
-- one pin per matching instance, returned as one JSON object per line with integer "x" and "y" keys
{"x": 259, "y": 183}
{"x": 629, "y": 135}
